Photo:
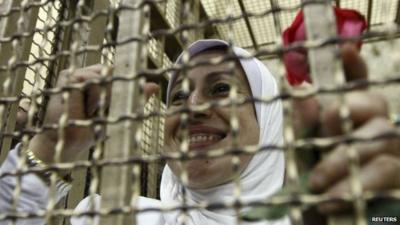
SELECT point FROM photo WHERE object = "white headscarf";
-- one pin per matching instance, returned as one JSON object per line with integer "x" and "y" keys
{"x": 264, "y": 174}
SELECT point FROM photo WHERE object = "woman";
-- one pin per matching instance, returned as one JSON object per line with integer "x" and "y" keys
{"x": 211, "y": 180}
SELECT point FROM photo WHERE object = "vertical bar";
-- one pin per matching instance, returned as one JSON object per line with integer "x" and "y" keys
{"x": 326, "y": 72}
{"x": 65, "y": 38}
{"x": 397, "y": 19}
{"x": 41, "y": 73}
{"x": 248, "y": 24}
{"x": 95, "y": 36}
{"x": 323, "y": 61}
{"x": 233, "y": 110}
{"x": 194, "y": 8}
{"x": 77, "y": 38}
{"x": 277, "y": 21}
{"x": 291, "y": 165}
{"x": 11, "y": 79}
{"x": 154, "y": 139}
{"x": 16, "y": 80}
{"x": 96, "y": 33}
{"x": 116, "y": 183}
{"x": 369, "y": 15}
{"x": 196, "y": 18}
{"x": 183, "y": 36}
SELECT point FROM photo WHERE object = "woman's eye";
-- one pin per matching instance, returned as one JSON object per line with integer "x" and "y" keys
{"x": 221, "y": 89}
{"x": 178, "y": 98}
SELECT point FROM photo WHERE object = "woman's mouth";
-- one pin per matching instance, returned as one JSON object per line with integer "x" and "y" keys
{"x": 203, "y": 140}
{"x": 202, "y": 137}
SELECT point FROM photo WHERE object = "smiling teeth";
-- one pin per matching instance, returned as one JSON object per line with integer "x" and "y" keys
{"x": 203, "y": 138}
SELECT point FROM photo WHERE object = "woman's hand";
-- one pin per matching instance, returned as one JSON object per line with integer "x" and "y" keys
{"x": 82, "y": 104}
{"x": 379, "y": 160}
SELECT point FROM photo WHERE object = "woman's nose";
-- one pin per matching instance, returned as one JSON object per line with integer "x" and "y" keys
{"x": 196, "y": 99}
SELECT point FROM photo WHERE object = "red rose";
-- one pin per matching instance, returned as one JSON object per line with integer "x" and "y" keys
{"x": 350, "y": 23}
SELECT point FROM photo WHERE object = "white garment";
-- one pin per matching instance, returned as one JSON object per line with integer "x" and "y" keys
{"x": 143, "y": 218}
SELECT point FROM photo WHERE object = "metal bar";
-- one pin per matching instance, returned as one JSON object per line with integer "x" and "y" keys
{"x": 321, "y": 29}
{"x": 45, "y": 18}
{"x": 247, "y": 21}
{"x": 196, "y": 19}
{"x": 369, "y": 13}
{"x": 77, "y": 37}
{"x": 397, "y": 19}
{"x": 367, "y": 40}
{"x": 95, "y": 36}
{"x": 154, "y": 136}
{"x": 97, "y": 32}
{"x": 153, "y": 128}
{"x": 124, "y": 102}
{"x": 54, "y": 65}
{"x": 16, "y": 80}
{"x": 277, "y": 22}
{"x": 326, "y": 71}
{"x": 65, "y": 37}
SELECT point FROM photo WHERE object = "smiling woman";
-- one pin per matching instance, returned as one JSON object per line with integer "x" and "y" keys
{"x": 211, "y": 180}
{"x": 210, "y": 129}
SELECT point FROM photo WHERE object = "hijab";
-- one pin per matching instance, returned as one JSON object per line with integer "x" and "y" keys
{"x": 262, "y": 177}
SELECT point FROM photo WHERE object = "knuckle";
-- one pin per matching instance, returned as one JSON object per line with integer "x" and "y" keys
{"x": 374, "y": 127}
{"x": 387, "y": 164}
{"x": 382, "y": 126}
{"x": 383, "y": 123}
{"x": 336, "y": 159}
{"x": 380, "y": 100}
{"x": 331, "y": 114}
{"x": 331, "y": 121}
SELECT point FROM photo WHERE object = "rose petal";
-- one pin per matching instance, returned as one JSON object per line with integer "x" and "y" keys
{"x": 350, "y": 23}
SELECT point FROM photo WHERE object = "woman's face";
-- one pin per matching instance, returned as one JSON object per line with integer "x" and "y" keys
{"x": 210, "y": 129}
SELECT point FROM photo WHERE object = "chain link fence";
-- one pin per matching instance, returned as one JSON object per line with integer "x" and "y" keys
{"x": 139, "y": 41}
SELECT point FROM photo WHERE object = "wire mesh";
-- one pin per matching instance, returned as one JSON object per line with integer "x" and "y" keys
{"x": 136, "y": 42}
